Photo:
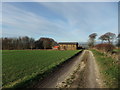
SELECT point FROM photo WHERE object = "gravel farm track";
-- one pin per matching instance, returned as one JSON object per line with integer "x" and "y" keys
{"x": 80, "y": 72}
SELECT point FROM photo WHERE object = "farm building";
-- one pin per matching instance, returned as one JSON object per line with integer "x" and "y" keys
{"x": 68, "y": 45}
{"x": 55, "y": 47}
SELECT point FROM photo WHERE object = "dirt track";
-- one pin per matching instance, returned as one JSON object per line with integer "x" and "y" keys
{"x": 80, "y": 72}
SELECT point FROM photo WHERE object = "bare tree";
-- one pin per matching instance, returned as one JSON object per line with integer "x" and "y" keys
{"x": 32, "y": 43}
{"x": 27, "y": 43}
{"x": 17, "y": 43}
{"x": 92, "y": 38}
{"x": 108, "y": 37}
{"x": 0, "y": 43}
{"x": 111, "y": 36}
{"x": 118, "y": 40}
{"x": 103, "y": 38}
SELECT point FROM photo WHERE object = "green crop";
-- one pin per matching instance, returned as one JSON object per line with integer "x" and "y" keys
{"x": 21, "y": 65}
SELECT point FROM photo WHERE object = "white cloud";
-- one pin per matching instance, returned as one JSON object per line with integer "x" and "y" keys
{"x": 0, "y": 19}
{"x": 80, "y": 21}
{"x": 60, "y": 0}
{"x": 86, "y": 16}
{"x": 20, "y": 22}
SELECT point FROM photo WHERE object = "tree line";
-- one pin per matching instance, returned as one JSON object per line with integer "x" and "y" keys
{"x": 27, "y": 43}
{"x": 47, "y": 43}
{"x": 107, "y": 44}
{"x": 105, "y": 38}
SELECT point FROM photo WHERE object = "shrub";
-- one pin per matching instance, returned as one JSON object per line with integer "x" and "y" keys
{"x": 105, "y": 47}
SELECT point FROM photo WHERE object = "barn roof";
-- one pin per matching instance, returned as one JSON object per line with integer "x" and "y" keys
{"x": 68, "y": 43}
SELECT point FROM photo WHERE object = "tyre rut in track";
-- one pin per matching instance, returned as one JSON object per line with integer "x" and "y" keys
{"x": 88, "y": 76}
{"x": 80, "y": 72}
{"x": 61, "y": 73}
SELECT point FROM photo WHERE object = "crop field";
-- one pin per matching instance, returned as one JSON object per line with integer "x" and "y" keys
{"x": 21, "y": 65}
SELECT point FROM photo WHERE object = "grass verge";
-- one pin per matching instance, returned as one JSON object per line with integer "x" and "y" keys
{"x": 108, "y": 68}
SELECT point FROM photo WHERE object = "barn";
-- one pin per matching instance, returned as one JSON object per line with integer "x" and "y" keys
{"x": 68, "y": 45}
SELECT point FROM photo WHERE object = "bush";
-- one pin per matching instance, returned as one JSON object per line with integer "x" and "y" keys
{"x": 105, "y": 47}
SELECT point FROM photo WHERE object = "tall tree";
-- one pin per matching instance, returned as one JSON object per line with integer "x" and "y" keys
{"x": 103, "y": 38}
{"x": 92, "y": 38}
{"x": 118, "y": 40}
{"x": 32, "y": 43}
{"x": 0, "y": 43}
{"x": 45, "y": 43}
{"x": 17, "y": 43}
{"x": 111, "y": 36}
{"x": 108, "y": 37}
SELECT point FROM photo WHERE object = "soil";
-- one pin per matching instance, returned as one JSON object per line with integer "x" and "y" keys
{"x": 80, "y": 72}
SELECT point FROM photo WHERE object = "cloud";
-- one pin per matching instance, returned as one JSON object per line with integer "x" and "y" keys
{"x": 78, "y": 20}
{"x": 87, "y": 16}
{"x": 18, "y": 21}
{"x": 60, "y": 0}
{"x": 0, "y": 19}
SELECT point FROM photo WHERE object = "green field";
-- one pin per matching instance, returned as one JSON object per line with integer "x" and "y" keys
{"x": 108, "y": 68}
{"x": 22, "y": 65}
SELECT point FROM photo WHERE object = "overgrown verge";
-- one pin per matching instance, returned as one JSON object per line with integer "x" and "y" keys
{"x": 109, "y": 49}
{"x": 109, "y": 69}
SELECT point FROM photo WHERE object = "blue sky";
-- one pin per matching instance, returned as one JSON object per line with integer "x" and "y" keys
{"x": 62, "y": 21}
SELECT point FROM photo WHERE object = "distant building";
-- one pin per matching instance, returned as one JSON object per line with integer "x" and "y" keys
{"x": 55, "y": 47}
{"x": 68, "y": 46}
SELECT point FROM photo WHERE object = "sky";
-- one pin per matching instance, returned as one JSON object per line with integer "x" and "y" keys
{"x": 62, "y": 21}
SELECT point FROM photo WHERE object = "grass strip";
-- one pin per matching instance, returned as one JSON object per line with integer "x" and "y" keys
{"x": 108, "y": 68}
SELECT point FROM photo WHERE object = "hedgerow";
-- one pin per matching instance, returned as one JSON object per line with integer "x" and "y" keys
{"x": 105, "y": 47}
